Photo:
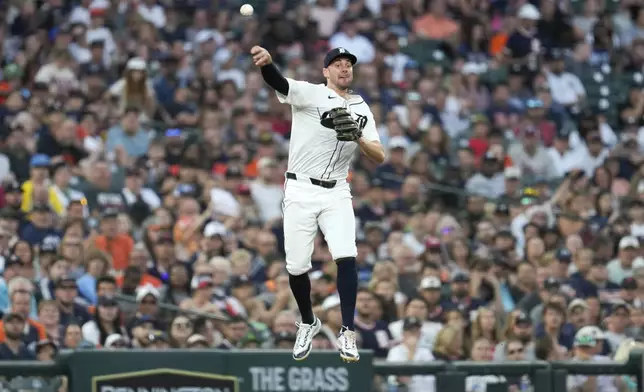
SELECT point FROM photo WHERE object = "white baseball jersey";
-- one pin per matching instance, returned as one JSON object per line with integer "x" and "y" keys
{"x": 314, "y": 150}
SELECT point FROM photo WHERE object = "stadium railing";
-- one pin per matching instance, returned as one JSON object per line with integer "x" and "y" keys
{"x": 275, "y": 371}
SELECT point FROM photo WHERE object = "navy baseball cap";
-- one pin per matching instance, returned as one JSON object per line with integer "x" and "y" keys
{"x": 563, "y": 255}
{"x": 337, "y": 53}
{"x": 39, "y": 160}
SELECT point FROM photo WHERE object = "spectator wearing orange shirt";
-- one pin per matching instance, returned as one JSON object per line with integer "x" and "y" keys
{"x": 139, "y": 257}
{"x": 110, "y": 241}
{"x": 33, "y": 331}
{"x": 436, "y": 25}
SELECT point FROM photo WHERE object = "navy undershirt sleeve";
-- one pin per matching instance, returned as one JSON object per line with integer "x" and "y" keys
{"x": 274, "y": 78}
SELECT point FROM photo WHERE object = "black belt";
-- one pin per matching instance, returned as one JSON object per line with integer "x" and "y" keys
{"x": 322, "y": 183}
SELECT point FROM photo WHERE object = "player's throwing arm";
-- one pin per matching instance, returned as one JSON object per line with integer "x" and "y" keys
{"x": 329, "y": 124}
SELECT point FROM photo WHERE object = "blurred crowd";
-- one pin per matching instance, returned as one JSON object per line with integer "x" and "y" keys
{"x": 142, "y": 161}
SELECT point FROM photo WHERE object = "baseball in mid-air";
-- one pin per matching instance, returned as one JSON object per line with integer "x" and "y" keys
{"x": 246, "y": 10}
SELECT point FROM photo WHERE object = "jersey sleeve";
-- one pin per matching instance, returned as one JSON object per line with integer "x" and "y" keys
{"x": 299, "y": 93}
{"x": 370, "y": 131}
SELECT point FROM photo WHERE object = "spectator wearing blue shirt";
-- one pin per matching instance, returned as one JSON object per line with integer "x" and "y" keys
{"x": 40, "y": 227}
{"x": 66, "y": 293}
{"x": 374, "y": 333}
{"x": 128, "y": 135}
{"x": 596, "y": 282}
{"x": 97, "y": 265}
{"x": 460, "y": 295}
{"x": 392, "y": 174}
{"x": 13, "y": 348}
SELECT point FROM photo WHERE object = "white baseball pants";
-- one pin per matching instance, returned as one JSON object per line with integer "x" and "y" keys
{"x": 307, "y": 207}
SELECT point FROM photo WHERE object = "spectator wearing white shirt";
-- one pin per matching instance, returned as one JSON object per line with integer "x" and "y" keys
{"x": 57, "y": 74}
{"x": 622, "y": 266}
{"x": 531, "y": 157}
{"x": 489, "y": 182}
{"x": 417, "y": 307}
{"x": 565, "y": 87}
{"x": 152, "y": 12}
{"x": 266, "y": 190}
{"x": 590, "y": 155}
{"x": 355, "y": 43}
{"x": 411, "y": 351}
{"x": 482, "y": 350}
{"x": 560, "y": 152}
{"x": 584, "y": 348}
{"x": 97, "y": 31}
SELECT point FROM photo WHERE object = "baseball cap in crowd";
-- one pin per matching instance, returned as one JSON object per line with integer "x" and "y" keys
{"x": 142, "y": 320}
{"x": 523, "y": 319}
{"x": 197, "y": 339}
{"x": 330, "y": 302}
{"x": 336, "y": 53}
{"x": 577, "y": 303}
{"x": 430, "y": 283}
{"x": 529, "y": 12}
{"x": 398, "y": 142}
{"x": 165, "y": 238}
{"x": 593, "y": 330}
{"x": 284, "y": 337}
{"x": 241, "y": 281}
{"x": 41, "y": 344}
{"x": 106, "y": 301}
{"x": 173, "y": 133}
{"x": 432, "y": 243}
{"x": 512, "y": 173}
{"x": 11, "y": 187}
{"x": 215, "y": 228}
{"x": 563, "y": 255}
{"x": 585, "y": 338}
{"x": 39, "y": 160}
{"x": 66, "y": 282}
{"x": 201, "y": 282}
{"x": 629, "y": 283}
{"x": 109, "y": 213}
{"x": 617, "y": 306}
{"x": 411, "y": 323}
{"x": 502, "y": 209}
{"x": 551, "y": 284}
{"x": 629, "y": 242}
{"x": 265, "y": 162}
{"x": 115, "y": 340}
{"x": 158, "y": 336}
{"x": 146, "y": 290}
{"x": 40, "y": 207}
{"x": 461, "y": 277}
{"x": 48, "y": 248}
{"x": 11, "y": 260}
{"x": 10, "y": 316}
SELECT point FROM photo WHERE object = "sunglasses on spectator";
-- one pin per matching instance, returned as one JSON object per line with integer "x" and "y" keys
{"x": 149, "y": 302}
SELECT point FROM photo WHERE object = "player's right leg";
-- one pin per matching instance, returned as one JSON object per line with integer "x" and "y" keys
{"x": 300, "y": 229}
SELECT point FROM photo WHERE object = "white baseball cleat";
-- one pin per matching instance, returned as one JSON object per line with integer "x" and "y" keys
{"x": 304, "y": 339}
{"x": 347, "y": 346}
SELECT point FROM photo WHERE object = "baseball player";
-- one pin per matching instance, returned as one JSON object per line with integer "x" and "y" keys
{"x": 329, "y": 124}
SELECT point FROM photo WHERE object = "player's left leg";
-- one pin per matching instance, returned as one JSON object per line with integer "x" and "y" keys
{"x": 338, "y": 224}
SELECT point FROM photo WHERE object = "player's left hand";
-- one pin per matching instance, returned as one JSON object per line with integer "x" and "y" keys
{"x": 340, "y": 120}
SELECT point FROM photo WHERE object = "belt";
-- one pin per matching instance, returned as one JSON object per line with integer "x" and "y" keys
{"x": 322, "y": 183}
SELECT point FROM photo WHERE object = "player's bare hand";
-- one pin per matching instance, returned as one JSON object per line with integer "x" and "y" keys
{"x": 261, "y": 57}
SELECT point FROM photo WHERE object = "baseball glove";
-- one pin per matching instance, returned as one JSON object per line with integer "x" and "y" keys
{"x": 340, "y": 120}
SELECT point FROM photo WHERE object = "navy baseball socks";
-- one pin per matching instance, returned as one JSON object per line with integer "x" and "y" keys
{"x": 348, "y": 290}
{"x": 310, "y": 325}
